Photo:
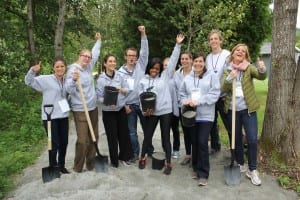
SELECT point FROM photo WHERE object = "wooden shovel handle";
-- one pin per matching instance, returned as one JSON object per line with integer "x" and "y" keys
{"x": 86, "y": 110}
{"x": 233, "y": 114}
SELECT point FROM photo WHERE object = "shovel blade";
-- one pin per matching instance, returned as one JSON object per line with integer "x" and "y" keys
{"x": 50, "y": 173}
{"x": 101, "y": 164}
{"x": 232, "y": 175}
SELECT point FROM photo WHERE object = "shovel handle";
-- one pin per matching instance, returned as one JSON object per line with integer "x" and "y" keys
{"x": 86, "y": 109}
{"x": 233, "y": 114}
{"x": 48, "y": 109}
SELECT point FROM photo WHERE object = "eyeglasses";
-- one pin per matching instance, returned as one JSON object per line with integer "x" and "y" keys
{"x": 131, "y": 55}
{"x": 86, "y": 56}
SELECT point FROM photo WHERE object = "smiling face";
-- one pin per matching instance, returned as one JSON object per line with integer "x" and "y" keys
{"x": 240, "y": 53}
{"x": 154, "y": 70}
{"x": 84, "y": 58}
{"x": 215, "y": 41}
{"x": 198, "y": 65}
{"x": 130, "y": 57}
{"x": 59, "y": 68}
{"x": 110, "y": 64}
{"x": 186, "y": 60}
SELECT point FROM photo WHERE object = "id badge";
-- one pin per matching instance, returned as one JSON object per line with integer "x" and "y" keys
{"x": 130, "y": 82}
{"x": 64, "y": 106}
{"x": 196, "y": 94}
{"x": 239, "y": 90}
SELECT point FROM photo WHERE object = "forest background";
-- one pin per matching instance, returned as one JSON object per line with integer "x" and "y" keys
{"x": 29, "y": 30}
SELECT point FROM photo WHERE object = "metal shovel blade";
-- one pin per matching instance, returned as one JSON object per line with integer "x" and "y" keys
{"x": 232, "y": 175}
{"x": 50, "y": 173}
{"x": 101, "y": 163}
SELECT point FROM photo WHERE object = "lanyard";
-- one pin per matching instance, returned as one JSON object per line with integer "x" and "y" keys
{"x": 61, "y": 86}
{"x": 212, "y": 62}
{"x": 196, "y": 86}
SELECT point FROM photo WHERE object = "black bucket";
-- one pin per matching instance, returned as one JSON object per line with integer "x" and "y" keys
{"x": 110, "y": 95}
{"x": 148, "y": 100}
{"x": 158, "y": 160}
{"x": 188, "y": 115}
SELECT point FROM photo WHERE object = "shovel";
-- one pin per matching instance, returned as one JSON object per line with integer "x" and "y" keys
{"x": 51, "y": 172}
{"x": 101, "y": 161}
{"x": 232, "y": 172}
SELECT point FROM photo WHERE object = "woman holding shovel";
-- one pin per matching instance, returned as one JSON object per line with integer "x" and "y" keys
{"x": 54, "y": 94}
{"x": 246, "y": 105}
{"x": 85, "y": 152}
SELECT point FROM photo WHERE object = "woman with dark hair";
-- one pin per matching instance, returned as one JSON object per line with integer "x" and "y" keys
{"x": 54, "y": 92}
{"x": 200, "y": 89}
{"x": 156, "y": 80}
{"x": 114, "y": 115}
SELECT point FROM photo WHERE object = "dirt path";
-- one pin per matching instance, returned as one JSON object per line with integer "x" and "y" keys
{"x": 129, "y": 182}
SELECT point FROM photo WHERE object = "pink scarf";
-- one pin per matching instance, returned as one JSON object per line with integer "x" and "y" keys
{"x": 241, "y": 67}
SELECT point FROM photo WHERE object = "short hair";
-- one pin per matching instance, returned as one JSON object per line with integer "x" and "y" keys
{"x": 247, "y": 56}
{"x": 153, "y": 62}
{"x": 216, "y": 31}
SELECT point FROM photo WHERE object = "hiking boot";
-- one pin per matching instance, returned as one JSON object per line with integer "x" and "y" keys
{"x": 168, "y": 169}
{"x": 243, "y": 168}
{"x": 142, "y": 163}
{"x": 175, "y": 154}
{"x": 253, "y": 175}
{"x": 185, "y": 161}
{"x": 202, "y": 182}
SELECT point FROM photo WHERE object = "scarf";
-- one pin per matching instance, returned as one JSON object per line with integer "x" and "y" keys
{"x": 241, "y": 67}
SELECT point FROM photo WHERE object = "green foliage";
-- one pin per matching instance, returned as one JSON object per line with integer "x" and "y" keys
{"x": 284, "y": 180}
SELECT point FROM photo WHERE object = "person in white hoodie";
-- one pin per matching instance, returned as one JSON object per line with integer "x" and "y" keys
{"x": 157, "y": 81}
{"x": 54, "y": 92}
{"x": 114, "y": 115}
{"x": 200, "y": 89}
{"x": 85, "y": 150}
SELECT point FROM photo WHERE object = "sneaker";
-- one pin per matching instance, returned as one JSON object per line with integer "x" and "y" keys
{"x": 142, "y": 163}
{"x": 195, "y": 175}
{"x": 185, "y": 161}
{"x": 202, "y": 182}
{"x": 132, "y": 160}
{"x": 168, "y": 169}
{"x": 63, "y": 170}
{"x": 243, "y": 168}
{"x": 175, "y": 154}
{"x": 253, "y": 175}
{"x": 125, "y": 163}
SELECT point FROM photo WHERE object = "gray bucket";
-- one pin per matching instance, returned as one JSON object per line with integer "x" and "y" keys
{"x": 188, "y": 115}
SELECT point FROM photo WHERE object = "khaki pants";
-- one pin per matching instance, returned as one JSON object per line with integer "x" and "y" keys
{"x": 85, "y": 150}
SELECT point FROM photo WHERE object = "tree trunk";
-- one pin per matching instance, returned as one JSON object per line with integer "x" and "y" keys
{"x": 30, "y": 33}
{"x": 281, "y": 128}
{"x": 59, "y": 30}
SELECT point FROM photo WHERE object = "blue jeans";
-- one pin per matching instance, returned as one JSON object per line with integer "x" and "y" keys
{"x": 249, "y": 122}
{"x": 132, "y": 126}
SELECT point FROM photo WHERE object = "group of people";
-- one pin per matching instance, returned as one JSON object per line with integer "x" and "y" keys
{"x": 202, "y": 83}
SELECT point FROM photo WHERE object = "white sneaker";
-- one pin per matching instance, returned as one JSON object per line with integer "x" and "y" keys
{"x": 243, "y": 168}
{"x": 125, "y": 163}
{"x": 253, "y": 175}
{"x": 175, "y": 154}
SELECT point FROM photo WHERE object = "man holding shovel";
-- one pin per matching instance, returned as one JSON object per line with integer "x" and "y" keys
{"x": 85, "y": 151}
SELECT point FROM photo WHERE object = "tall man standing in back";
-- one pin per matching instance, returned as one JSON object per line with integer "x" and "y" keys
{"x": 133, "y": 70}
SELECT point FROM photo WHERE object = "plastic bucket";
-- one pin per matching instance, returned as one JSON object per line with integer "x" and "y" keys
{"x": 110, "y": 95}
{"x": 188, "y": 115}
{"x": 158, "y": 160}
{"x": 148, "y": 100}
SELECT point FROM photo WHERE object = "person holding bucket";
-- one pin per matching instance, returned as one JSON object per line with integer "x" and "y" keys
{"x": 54, "y": 93}
{"x": 200, "y": 90}
{"x": 132, "y": 71}
{"x": 186, "y": 62}
{"x": 85, "y": 151}
{"x": 156, "y": 81}
{"x": 113, "y": 112}
{"x": 239, "y": 68}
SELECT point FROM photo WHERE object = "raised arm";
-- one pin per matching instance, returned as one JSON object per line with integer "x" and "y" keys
{"x": 95, "y": 51}
{"x": 30, "y": 79}
{"x": 144, "y": 51}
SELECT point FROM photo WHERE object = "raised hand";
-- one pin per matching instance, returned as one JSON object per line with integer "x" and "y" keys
{"x": 98, "y": 36}
{"x": 180, "y": 37}
{"x": 142, "y": 29}
{"x": 37, "y": 67}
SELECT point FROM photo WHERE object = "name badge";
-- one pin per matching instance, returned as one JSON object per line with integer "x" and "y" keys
{"x": 239, "y": 90}
{"x": 64, "y": 106}
{"x": 196, "y": 94}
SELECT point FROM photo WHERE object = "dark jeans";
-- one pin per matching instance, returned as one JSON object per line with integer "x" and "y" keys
{"x": 214, "y": 134}
{"x": 176, "y": 134}
{"x": 200, "y": 154}
{"x": 249, "y": 122}
{"x": 60, "y": 134}
{"x": 132, "y": 126}
{"x": 187, "y": 133}
{"x": 150, "y": 125}
{"x": 116, "y": 129}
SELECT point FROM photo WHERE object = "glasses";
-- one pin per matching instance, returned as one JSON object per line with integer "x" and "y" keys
{"x": 86, "y": 56}
{"x": 131, "y": 55}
